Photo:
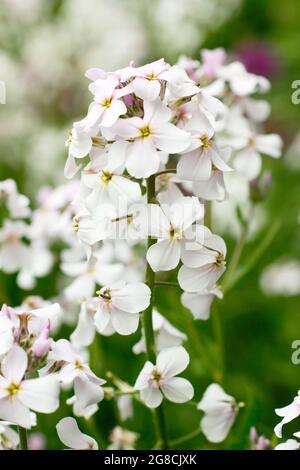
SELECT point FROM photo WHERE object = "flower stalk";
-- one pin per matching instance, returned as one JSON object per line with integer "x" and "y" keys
{"x": 23, "y": 438}
{"x": 148, "y": 324}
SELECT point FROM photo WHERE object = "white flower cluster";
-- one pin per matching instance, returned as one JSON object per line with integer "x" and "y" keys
{"x": 153, "y": 150}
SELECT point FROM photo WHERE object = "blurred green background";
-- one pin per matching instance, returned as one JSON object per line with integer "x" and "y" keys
{"x": 45, "y": 48}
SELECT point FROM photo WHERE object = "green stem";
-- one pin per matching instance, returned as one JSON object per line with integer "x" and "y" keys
{"x": 238, "y": 249}
{"x": 240, "y": 273}
{"x": 148, "y": 323}
{"x": 23, "y": 438}
{"x": 166, "y": 283}
{"x": 218, "y": 333}
{"x": 187, "y": 437}
{"x": 165, "y": 172}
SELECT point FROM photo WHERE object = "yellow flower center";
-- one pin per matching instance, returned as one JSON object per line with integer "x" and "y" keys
{"x": 175, "y": 233}
{"x": 13, "y": 389}
{"x": 205, "y": 141}
{"x": 151, "y": 76}
{"x": 106, "y": 103}
{"x": 145, "y": 132}
{"x": 105, "y": 177}
{"x": 220, "y": 260}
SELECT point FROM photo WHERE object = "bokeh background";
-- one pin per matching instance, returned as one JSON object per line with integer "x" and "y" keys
{"x": 45, "y": 48}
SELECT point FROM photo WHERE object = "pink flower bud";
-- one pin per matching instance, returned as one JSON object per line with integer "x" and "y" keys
{"x": 42, "y": 344}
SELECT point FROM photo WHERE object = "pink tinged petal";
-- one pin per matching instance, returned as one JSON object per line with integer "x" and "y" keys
{"x": 71, "y": 436}
{"x": 195, "y": 166}
{"x": 127, "y": 128}
{"x": 156, "y": 113}
{"x": 112, "y": 113}
{"x": 170, "y": 138}
{"x": 164, "y": 255}
{"x": 14, "y": 364}
{"x": 177, "y": 390}
{"x": 86, "y": 392}
{"x": 14, "y": 411}
{"x": 95, "y": 73}
{"x": 124, "y": 323}
{"x": 172, "y": 361}
{"x": 142, "y": 380}
{"x": 94, "y": 114}
{"x": 248, "y": 163}
{"x": 104, "y": 89}
{"x": 40, "y": 394}
{"x": 143, "y": 159}
{"x": 132, "y": 298}
{"x": 146, "y": 89}
{"x": 151, "y": 396}
{"x": 270, "y": 144}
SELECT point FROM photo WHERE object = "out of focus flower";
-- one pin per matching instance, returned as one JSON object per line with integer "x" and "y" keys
{"x": 166, "y": 335}
{"x": 258, "y": 442}
{"x": 159, "y": 380}
{"x": 122, "y": 439}
{"x": 281, "y": 278}
{"x": 9, "y": 438}
{"x": 70, "y": 435}
{"x": 36, "y": 441}
{"x": 220, "y": 411}
{"x": 258, "y": 58}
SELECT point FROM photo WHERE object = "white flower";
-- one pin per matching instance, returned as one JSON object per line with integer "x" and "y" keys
{"x": 241, "y": 82}
{"x": 9, "y": 438}
{"x": 166, "y": 335}
{"x": 151, "y": 133}
{"x": 122, "y": 439}
{"x": 6, "y": 331}
{"x": 203, "y": 154}
{"x": 70, "y": 435}
{"x": 199, "y": 302}
{"x": 220, "y": 412}
{"x": 13, "y": 251}
{"x": 203, "y": 264}
{"x": 146, "y": 84}
{"x": 17, "y": 204}
{"x": 290, "y": 444}
{"x": 107, "y": 105}
{"x": 18, "y": 396}
{"x": 172, "y": 226}
{"x": 87, "y": 386}
{"x": 159, "y": 380}
{"x": 288, "y": 413}
{"x": 105, "y": 183}
{"x": 79, "y": 143}
{"x": 120, "y": 305}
